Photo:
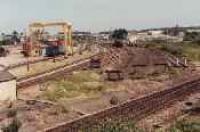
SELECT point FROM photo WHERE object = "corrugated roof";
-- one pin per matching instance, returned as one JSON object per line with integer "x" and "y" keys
{"x": 6, "y": 76}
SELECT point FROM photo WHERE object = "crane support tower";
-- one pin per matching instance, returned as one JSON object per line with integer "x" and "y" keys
{"x": 35, "y": 32}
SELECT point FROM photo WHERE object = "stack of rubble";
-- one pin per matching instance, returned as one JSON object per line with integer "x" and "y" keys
{"x": 128, "y": 59}
{"x": 115, "y": 59}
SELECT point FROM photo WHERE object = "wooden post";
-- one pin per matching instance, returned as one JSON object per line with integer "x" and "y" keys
{"x": 54, "y": 59}
{"x": 185, "y": 61}
{"x": 108, "y": 74}
{"x": 65, "y": 43}
{"x": 28, "y": 64}
{"x": 70, "y": 40}
{"x": 119, "y": 76}
{"x": 177, "y": 61}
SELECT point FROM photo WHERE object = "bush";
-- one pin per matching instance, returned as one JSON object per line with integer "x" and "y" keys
{"x": 114, "y": 100}
{"x": 175, "y": 71}
{"x": 119, "y": 34}
{"x": 60, "y": 108}
{"x": 184, "y": 126}
{"x": 12, "y": 113}
{"x": 193, "y": 36}
{"x": 173, "y": 49}
{"x": 13, "y": 127}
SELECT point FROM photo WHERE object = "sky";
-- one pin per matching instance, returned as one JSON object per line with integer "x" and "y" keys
{"x": 99, "y": 15}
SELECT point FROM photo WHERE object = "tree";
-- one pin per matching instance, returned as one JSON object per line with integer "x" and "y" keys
{"x": 192, "y": 36}
{"x": 15, "y": 36}
{"x": 119, "y": 34}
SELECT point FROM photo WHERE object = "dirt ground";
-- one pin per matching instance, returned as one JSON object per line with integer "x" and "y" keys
{"x": 15, "y": 57}
{"x": 35, "y": 115}
{"x": 162, "y": 120}
{"x": 83, "y": 92}
{"x": 93, "y": 100}
{"x": 86, "y": 102}
{"x": 37, "y": 111}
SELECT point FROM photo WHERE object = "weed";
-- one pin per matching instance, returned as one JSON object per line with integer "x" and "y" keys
{"x": 184, "y": 126}
{"x": 83, "y": 82}
{"x": 175, "y": 71}
{"x": 12, "y": 113}
{"x": 114, "y": 100}
{"x": 189, "y": 50}
{"x": 13, "y": 127}
{"x": 113, "y": 126}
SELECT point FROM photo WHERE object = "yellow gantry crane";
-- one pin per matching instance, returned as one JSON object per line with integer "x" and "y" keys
{"x": 39, "y": 27}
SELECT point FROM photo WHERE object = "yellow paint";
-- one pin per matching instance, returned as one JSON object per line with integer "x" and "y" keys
{"x": 66, "y": 28}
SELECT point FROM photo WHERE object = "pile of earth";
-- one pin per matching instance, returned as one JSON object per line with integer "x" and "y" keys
{"x": 125, "y": 58}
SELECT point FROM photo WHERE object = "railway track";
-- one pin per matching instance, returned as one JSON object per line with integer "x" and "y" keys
{"x": 53, "y": 73}
{"x": 134, "y": 109}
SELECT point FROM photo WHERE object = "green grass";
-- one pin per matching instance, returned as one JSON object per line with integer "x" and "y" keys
{"x": 192, "y": 52}
{"x": 14, "y": 126}
{"x": 175, "y": 71}
{"x": 84, "y": 76}
{"x": 113, "y": 126}
{"x": 80, "y": 83}
{"x": 189, "y": 50}
{"x": 185, "y": 126}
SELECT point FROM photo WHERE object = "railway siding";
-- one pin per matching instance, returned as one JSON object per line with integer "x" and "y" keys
{"x": 53, "y": 73}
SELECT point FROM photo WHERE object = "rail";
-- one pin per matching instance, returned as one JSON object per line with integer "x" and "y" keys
{"x": 53, "y": 73}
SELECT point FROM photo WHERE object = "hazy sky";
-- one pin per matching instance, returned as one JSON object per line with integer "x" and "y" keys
{"x": 96, "y": 15}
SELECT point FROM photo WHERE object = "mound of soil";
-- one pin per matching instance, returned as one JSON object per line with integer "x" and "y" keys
{"x": 124, "y": 59}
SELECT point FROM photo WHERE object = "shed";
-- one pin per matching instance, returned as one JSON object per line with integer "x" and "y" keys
{"x": 7, "y": 86}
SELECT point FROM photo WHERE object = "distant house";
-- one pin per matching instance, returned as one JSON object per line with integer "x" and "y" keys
{"x": 156, "y": 32}
{"x": 79, "y": 33}
{"x": 132, "y": 37}
{"x": 7, "y": 37}
{"x": 193, "y": 30}
{"x": 105, "y": 35}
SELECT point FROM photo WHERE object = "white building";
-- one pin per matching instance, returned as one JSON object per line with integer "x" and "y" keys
{"x": 156, "y": 32}
{"x": 193, "y": 30}
{"x": 7, "y": 86}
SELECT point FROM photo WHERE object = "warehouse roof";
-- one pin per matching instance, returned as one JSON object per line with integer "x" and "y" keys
{"x": 6, "y": 76}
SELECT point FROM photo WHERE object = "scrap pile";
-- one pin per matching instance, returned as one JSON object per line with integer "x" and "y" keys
{"x": 116, "y": 59}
